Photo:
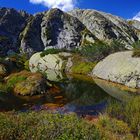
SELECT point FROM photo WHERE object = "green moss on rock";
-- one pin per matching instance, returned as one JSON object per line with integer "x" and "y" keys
{"x": 83, "y": 68}
{"x": 25, "y": 83}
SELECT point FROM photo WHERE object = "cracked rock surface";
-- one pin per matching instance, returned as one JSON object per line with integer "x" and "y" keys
{"x": 121, "y": 68}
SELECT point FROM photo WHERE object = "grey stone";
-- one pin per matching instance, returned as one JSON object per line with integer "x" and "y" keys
{"x": 121, "y": 68}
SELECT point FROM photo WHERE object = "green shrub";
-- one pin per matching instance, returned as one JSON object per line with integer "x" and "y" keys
{"x": 14, "y": 80}
{"x": 136, "y": 49}
{"x": 116, "y": 109}
{"x": 112, "y": 128}
{"x": 136, "y": 52}
{"x": 26, "y": 65}
{"x": 128, "y": 112}
{"x": 132, "y": 114}
{"x": 45, "y": 126}
{"x": 99, "y": 50}
{"x": 94, "y": 52}
{"x": 50, "y": 51}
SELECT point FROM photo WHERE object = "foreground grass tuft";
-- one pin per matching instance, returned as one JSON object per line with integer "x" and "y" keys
{"x": 129, "y": 113}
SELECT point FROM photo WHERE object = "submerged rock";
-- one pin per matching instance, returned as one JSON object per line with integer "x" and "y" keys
{"x": 27, "y": 84}
{"x": 121, "y": 68}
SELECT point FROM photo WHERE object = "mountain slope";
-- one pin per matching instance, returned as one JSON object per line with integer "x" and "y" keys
{"x": 12, "y": 22}
{"x": 106, "y": 27}
{"x": 58, "y": 29}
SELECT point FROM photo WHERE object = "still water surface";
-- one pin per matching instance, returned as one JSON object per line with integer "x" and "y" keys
{"x": 78, "y": 94}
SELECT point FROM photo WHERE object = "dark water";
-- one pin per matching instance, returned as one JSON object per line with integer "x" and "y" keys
{"x": 81, "y": 95}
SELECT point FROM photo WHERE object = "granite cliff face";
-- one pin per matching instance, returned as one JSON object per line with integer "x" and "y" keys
{"x": 30, "y": 37}
{"x": 106, "y": 27}
{"x": 28, "y": 34}
{"x": 12, "y": 22}
{"x": 60, "y": 30}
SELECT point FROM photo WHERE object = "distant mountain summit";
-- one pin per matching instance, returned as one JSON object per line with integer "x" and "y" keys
{"x": 20, "y": 31}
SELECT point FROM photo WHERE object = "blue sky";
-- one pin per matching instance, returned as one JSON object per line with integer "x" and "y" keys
{"x": 124, "y": 8}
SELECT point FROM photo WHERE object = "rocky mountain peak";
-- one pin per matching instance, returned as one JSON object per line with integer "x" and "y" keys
{"x": 58, "y": 29}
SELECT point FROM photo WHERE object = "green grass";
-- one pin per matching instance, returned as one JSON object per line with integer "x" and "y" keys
{"x": 83, "y": 67}
{"x": 15, "y": 79}
{"x": 99, "y": 50}
{"x": 129, "y": 113}
{"x": 136, "y": 49}
{"x": 136, "y": 52}
{"x": 47, "y": 126}
{"x": 50, "y": 51}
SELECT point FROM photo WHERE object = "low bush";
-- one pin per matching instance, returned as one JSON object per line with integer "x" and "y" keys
{"x": 50, "y": 51}
{"x": 113, "y": 128}
{"x": 26, "y": 65}
{"x": 46, "y": 126}
{"x": 136, "y": 52}
{"x": 128, "y": 112}
{"x": 136, "y": 49}
{"x": 99, "y": 50}
{"x": 14, "y": 80}
{"x": 132, "y": 115}
{"x": 43, "y": 125}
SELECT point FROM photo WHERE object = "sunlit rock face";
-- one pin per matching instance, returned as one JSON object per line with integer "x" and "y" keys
{"x": 136, "y": 24}
{"x": 60, "y": 30}
{"x": 121, "y": 68}
{"x": 106, "y": 27}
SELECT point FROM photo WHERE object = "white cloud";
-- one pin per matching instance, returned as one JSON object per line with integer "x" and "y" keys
{"x": 137, "y": 17}
{"x": 64, "y": 5}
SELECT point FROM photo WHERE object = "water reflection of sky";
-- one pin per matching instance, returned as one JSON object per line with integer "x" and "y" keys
{"x": 83, "y": 97}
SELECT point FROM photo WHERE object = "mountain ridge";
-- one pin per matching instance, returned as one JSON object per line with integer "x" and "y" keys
{"x": 54, "y": 28}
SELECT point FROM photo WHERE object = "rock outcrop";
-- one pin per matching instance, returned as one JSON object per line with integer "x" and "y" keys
{"x": 61, "y": 30}
{"x": 30, "y": 37}
{"x": 136, "y": 25}
{"x": 106, "y": 27}
{"x": 51, "y": 61}
{"x": 12, "y": 22}
{"x": 121, "y": 68}
{"x": 26, "y": 83}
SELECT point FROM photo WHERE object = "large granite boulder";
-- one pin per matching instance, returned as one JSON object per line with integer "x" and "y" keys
{"x": 50, "y": 61}
{"x": 121, "y": 68}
